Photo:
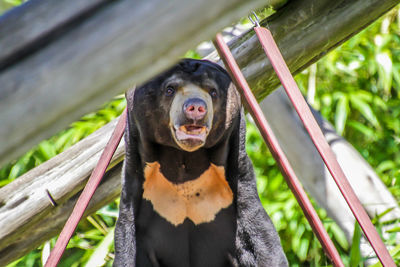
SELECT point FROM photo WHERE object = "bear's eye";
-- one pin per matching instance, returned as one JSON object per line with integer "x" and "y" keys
{"x": 170, "y": 90}
{"x": 213, "y": 93}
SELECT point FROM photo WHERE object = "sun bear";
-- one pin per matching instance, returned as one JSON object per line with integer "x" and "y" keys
{"x": 189, "y": 195}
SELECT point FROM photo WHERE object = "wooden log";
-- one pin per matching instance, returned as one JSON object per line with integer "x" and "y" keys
{"x": 57, "y": 66}
{"x": 34, "y": 183}
{"x": 33, "y": 24}
{"x": 27, "y": 216}
{"x": 51, "y": 224}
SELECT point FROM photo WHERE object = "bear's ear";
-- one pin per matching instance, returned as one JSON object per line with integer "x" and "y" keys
{"x": 129, "y": 95}
{"x": 233, "y": 105}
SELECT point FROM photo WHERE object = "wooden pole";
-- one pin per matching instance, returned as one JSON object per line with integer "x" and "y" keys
{"x": 280, "y": 157}
{"x": 311, "y": 125}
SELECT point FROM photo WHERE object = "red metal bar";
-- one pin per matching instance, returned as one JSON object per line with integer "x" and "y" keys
{"x": 304, "y": 112}
{"x": 87, "y": 193}
{"x": 274, "y": 147}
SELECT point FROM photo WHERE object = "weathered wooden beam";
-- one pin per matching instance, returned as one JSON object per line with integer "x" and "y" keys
{"x": 82, "y": 53}
{"x": 27, "y": 217}
{"x": 34, "y": 24}
{"x": 17, "y": 239}
{"x": 51, "y": 225}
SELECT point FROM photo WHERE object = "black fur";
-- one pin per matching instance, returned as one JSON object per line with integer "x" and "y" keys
{"x": 241, "y": 234}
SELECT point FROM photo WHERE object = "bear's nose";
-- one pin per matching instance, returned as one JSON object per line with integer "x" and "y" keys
{"x": 195, "y": 108}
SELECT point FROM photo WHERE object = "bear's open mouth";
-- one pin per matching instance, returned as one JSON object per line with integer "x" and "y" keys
{"x": 190, "y": 131}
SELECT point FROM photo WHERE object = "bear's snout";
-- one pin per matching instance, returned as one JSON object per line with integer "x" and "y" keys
{"x": 195, "y": 109}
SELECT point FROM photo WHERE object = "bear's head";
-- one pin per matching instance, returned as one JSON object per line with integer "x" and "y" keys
{"x": 192, "y": 105}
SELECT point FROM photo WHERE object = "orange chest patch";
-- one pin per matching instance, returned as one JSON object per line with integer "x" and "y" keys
{"x": 199, "y": 200}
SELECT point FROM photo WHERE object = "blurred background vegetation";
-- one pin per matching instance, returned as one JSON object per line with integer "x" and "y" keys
{"x": 357, "y": 90}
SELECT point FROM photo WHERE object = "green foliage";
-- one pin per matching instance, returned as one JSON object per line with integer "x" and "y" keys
{"x": 93, "y": 244}
{"x": 355, "y": 254}
{"x": 300, "y": 244}
{"x": 358, "y": 90}
{"x": 8, "y": 4}
{"x": 93, "y": 235}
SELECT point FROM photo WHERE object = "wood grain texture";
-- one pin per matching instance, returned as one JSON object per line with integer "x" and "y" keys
{"x": 25, "y": 206}
{"x": 48, "y": 226}
{"x": 36, "y": 23}
{"x": 89, "y": 60}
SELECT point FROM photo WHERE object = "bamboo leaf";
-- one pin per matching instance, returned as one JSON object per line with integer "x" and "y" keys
{"x": 365, "y": 130}
{"x": 22, "y": 165}
{"x": 99, "y": 255}
{"x": 394, "y": 230}
{"x": 365, "y": 109}
{"x": 339, "y": 236}
{"x": 342, "y": 108}
{"x": 47, "y": 150}
{"x": 355, "y": 253}
{"x": 385, "y": 165}
{"x": 384, "y": 60}
{"x": 303, "y": 250}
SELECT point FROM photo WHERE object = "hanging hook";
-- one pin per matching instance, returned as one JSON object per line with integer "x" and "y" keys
{"x": 254, "y": 19}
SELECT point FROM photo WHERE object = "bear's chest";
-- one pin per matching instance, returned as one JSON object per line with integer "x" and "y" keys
{"x": 180, "y": 223}
{"x": 198, "y": 200}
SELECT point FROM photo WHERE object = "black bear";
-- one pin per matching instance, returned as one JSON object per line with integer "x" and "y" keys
{"x": 189, "y": 195}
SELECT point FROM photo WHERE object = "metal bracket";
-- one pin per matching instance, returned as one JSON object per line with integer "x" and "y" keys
{"x": 254, "y": 19}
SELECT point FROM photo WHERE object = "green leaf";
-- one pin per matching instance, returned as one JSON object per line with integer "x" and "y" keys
{"x": 380, "y": 215}
{"x": 47, "y": 150}
{"x": 46, "y": 252}
{"x": 100, "y": 252}
{"x": 385, "y": 165}
{"x": 378, "y": 264}
{"x": 14, "y": 2}
{"x": 363, "y": 95}
{"x": 396, "y": 77}
{"x": 4, "y": 182}
{"x": 16, "y": 170}
{"x": 296, "y": 242}
{"x": 394, "y": 230}
{"x": 192, "y": 54}
{"x": 365, "y": 130}
{"x": 338, "y": 235}
{"x": 303, "y": 250}
{"x": 22, "y": 165}
{"x": 378, "y": 102}
{"x": 342, "y": 108}
{"x": 385, "y": 70}
{"x": 365, "y": 109}
{"x": 355, "y": 253}
{"x": 395, "y": 251}
{"x": 65, "y": 140}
